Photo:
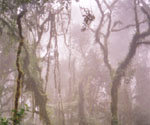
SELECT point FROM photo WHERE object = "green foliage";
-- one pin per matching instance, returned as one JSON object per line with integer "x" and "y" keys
{"x": 20, "y": 2}
{"x": 4, "y": 121}
{"x": 18, "y": 119}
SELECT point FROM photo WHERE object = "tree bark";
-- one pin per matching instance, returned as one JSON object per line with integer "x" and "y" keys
{"x": 20, "y": 72}
{"x": 81, "y": 105}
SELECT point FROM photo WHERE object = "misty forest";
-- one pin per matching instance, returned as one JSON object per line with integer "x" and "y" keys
{"x": 74, "y": 62}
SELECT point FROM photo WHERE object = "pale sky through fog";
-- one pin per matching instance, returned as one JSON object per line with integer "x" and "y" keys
{"x": 85, "y": 3}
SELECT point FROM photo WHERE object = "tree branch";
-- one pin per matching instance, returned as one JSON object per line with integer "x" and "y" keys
{"x": 143, "y": 43}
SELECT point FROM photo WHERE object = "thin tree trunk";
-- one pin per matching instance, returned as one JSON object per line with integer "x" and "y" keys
{"x": 81, "y": 105}
{"x": 20, "y": 73}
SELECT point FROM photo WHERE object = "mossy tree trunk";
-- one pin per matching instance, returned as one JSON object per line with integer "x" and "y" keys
{"x": 120, "y": 72}
{"x": 20, "y": 72}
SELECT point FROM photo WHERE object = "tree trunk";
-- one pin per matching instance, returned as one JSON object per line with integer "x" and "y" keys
{"x": 81, "y": 105}
{"x": 114, "y": 105}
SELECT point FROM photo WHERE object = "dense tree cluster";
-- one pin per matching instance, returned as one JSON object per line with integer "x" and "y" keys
{"x": 73, "y": 63}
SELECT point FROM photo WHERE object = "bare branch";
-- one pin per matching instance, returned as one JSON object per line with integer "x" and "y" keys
{"x": 126, "y": 27}
{"x": 136, "y": 17}
{"x": 100, "y": 7}
{"x": 143, "y": 43}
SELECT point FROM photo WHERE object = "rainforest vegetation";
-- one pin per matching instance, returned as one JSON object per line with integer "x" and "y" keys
{"x": 74, "y": 62}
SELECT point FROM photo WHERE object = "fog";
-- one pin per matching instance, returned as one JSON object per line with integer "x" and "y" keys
{"x": 74, "y": 62}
